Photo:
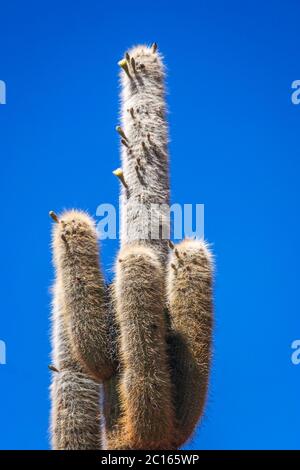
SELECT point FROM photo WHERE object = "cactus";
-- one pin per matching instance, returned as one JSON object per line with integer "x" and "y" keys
{"x": 75, "y": 418}
{"x": 189, "y": 294}
{"x": 131, "y": 360}
{"x": 145, "y": 385}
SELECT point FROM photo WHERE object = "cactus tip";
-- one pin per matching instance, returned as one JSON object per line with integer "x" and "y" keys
{"x": 171, "y": 244}
{"x": 54, "y": 216}
{"x": 123, "y": 64}
{"x": 154, "y": 47}
{"x": 121, "y": 132}
{"x": 133, "y": 64}
{"x": 119, "y": 174}
{"x": 124, "y": 142}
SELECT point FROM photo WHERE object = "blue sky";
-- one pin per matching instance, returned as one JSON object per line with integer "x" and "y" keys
{"x": 234, "y": 147}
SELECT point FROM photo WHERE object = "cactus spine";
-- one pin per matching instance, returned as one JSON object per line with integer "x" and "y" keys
{"x": 147, "y": 338}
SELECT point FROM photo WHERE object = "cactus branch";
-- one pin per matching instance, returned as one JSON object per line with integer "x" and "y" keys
{"x": 76, "y": 257}
{"x": 147, "y": 97}
{"x": 75, "y": 396}
{"x": 189, "y": 287}
{"x": 146, "y": 393}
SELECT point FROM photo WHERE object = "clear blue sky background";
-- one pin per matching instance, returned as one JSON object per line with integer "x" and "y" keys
{"x": 234, "y": 147}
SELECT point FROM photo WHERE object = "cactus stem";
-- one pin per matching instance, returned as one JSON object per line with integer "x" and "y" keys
{"x": 54, "y": 217}
{"x": 127, "y": 57}
{"x": 121, "y": 132}
{"x": 133, "y": 64}
{"x": 119, "y": 173}
{"x": 123, "y": 64}
{"x": 154, "y": 47}
{"x": 51, "y": 367}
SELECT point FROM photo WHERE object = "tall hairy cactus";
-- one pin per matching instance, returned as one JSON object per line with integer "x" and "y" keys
{"x": 131, "y": 360}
